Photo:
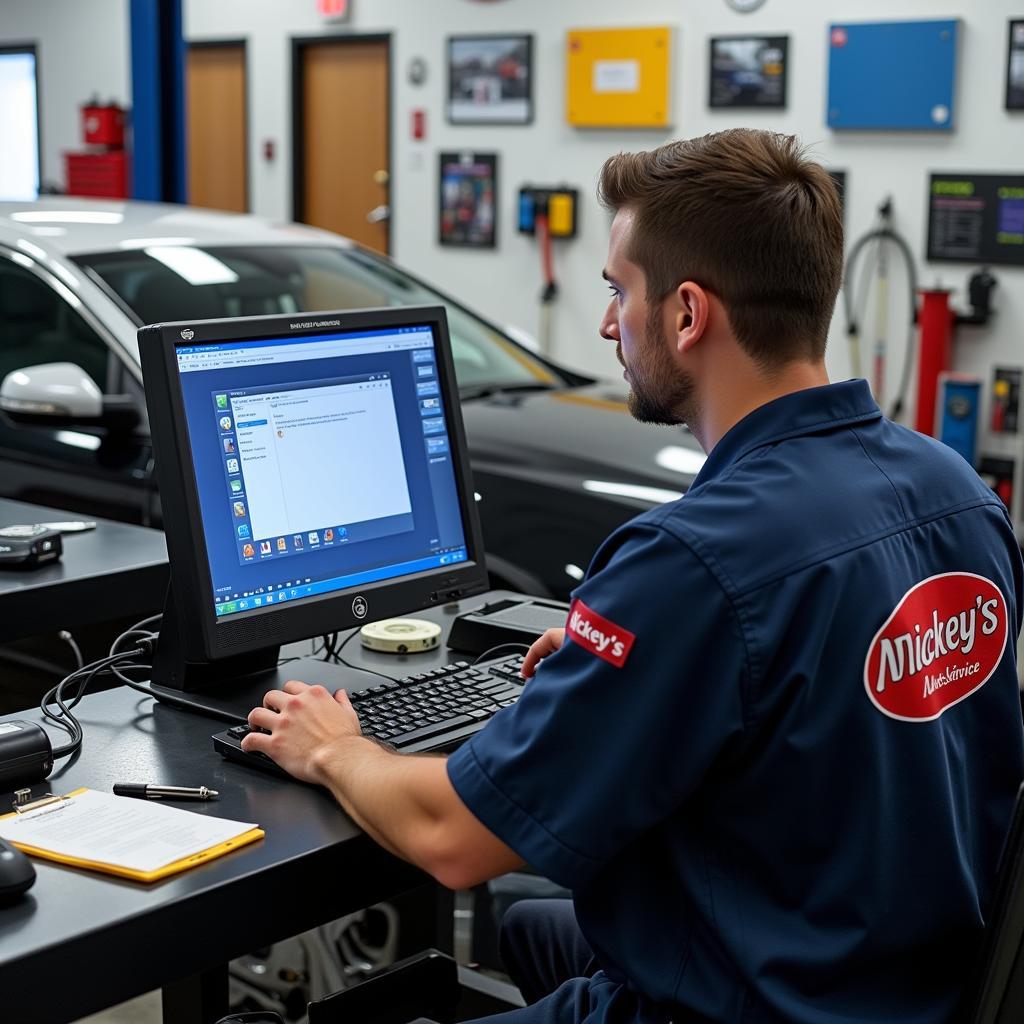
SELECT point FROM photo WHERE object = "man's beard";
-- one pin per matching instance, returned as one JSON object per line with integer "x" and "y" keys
{"x": 659, "y": 391}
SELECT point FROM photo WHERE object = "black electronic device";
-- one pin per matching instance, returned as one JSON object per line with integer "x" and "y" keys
{"x": 16, "y": 873}
{"x": 433, "y": 710}
{"x": 26, "y": 755}
{"x": 314, "y": 475}
{"x": 508, "y": 621}
{"x": 29, "y": 546}
{"x": 976, "y": 218}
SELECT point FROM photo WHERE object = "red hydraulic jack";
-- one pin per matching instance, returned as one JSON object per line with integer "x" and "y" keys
{"x": 936, "y": 319}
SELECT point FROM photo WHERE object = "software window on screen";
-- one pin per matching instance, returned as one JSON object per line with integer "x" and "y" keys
{"x": 321, "y": 454}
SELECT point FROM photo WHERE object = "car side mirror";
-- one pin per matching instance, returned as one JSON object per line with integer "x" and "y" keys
{"x": 63, "y": 394}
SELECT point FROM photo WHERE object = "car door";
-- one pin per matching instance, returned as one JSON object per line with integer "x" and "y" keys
{"x": 89, "y": 469}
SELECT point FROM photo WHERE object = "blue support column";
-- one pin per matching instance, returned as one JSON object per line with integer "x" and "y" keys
{"x": 158, "y": 100}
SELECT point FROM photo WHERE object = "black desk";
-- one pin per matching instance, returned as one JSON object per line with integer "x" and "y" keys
{"x": 82, "y": 941}
{"x": 112, "y": 572}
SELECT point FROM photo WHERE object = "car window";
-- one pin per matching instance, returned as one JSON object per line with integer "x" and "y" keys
{"x": 233, "y": 281}
{"x": 37, "y": 325}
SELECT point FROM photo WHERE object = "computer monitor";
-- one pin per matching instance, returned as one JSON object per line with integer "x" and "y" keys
{"x": 313, "y": 476}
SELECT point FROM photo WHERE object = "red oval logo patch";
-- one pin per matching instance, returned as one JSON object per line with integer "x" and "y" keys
{"x": 942, "y": 642}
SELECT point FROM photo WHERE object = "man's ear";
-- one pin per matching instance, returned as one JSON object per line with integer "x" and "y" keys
{"x": 691, "y": 319}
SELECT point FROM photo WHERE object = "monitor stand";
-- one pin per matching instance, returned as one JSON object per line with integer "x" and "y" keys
{"x": 230, "y": 688}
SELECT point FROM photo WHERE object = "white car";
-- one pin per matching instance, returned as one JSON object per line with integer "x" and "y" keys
{"x": 556, "y": 462}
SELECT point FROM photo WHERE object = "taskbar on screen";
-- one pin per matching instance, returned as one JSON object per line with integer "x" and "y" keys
{"x": 286, "y": 594}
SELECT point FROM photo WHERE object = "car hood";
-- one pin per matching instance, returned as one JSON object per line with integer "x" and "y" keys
{"x": 581, "y": 438}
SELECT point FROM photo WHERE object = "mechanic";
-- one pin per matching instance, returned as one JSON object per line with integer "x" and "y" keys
{"x": 776, "y": 754}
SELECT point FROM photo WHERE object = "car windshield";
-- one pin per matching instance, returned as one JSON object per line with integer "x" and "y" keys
{"x": 164, "y": 283}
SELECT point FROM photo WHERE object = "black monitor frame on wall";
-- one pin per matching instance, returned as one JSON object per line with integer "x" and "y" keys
{"x": 467, "y": 199}
{"x": 976, "y": 218}
{"x": 753, "y": 76}
{"x": 1015, "y": 65}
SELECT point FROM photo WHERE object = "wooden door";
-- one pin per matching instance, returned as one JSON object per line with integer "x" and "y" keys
{"x": 216, "y": 124}
{"x": 342, "y": 165}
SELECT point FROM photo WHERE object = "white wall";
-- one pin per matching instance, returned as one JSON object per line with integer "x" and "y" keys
{"x": 505, "y": 283}
{"x": 83, "y": 48}
{"x": 81, "y": 52}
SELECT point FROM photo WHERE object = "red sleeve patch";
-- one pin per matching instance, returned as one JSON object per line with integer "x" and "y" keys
{"x": 599, "y": 635}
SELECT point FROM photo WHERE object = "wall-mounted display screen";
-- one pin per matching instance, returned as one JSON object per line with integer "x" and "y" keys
{"x": 748, "y": 71}
{"x": 19, "y": 124}
{"x": 976, "y": 218}
{"x": 468, "y": 199}
{"x": 1015, "y": 67}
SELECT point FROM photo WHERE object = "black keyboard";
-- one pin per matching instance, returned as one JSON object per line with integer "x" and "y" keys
{"x": 433, "y": 710}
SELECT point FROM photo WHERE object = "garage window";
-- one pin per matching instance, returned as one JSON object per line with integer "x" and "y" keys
{"x": 19, "y": 123}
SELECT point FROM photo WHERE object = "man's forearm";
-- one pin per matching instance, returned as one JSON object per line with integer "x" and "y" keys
{"x": 388, "y": 795}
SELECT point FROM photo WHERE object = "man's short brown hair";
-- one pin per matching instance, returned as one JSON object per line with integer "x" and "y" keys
{"x": 746, "y": 215}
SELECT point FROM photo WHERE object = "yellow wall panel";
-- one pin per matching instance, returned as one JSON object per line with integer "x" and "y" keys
{"x": 618, "y": 77}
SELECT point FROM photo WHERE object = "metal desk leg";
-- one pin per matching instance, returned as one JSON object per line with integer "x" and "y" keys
{"x": 198, "y": 999}
{"x": 427, "y": 916}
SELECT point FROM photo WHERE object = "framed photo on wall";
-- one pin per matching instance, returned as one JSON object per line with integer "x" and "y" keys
{"x": 490, "y": 79}
{"x": 468, "y": 199}
{"x": 1015, "y": 67}
{"x": 748, "y": 72}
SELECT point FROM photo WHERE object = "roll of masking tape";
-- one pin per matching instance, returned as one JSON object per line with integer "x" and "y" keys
{"x": 401, "y": 636}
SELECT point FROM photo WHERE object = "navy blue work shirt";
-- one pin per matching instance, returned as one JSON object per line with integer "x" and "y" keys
{"x": 776, "y": 757}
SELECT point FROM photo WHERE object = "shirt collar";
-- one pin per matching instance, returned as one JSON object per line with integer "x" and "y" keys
{"x": 798, "y": 413}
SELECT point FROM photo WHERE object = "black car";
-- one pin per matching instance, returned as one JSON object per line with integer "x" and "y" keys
{"x": 557, "y": 460}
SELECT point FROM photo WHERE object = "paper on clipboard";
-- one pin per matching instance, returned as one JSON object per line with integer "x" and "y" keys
{"x": 130, "y": 837}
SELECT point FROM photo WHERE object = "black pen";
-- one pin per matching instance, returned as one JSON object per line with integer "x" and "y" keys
{"x": 140, "y": 789}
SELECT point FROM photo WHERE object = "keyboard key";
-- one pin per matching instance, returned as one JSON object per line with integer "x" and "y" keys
{"x": 431, "y": 729}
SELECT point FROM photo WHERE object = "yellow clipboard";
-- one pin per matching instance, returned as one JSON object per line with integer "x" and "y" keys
{"x": 172, "y": 868}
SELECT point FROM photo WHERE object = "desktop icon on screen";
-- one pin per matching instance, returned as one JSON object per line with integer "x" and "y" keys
{"x": 314, "y": 537}
{"x": 229, "y": 445}
{"x": 297, "y": 541}
{"x": 232, "y": 465}
{"x": 281, "y": 544}
{"x": 248, "y": 551}
{"x": 328, "y": 535}
{"x": 264, "y": 547}
{"x": 239, "y": 507}
{"x": 236, "y": 486}
{"x": 243, "y": 531}
{"x": 225, "y": 423}
{"x": 222, "y": 401}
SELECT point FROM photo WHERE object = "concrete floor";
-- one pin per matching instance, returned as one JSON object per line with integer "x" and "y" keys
{"x": 144, "y": 1010}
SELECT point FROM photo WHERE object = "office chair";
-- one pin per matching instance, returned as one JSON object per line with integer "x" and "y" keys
{"x": 996, "y": 995}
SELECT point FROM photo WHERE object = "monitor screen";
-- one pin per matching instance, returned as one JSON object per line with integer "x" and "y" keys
{"x": 321, "y": 462}
{"x": 976, "y": 218}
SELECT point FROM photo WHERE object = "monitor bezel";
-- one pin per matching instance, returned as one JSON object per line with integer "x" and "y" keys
{"x": 204, "y": 635}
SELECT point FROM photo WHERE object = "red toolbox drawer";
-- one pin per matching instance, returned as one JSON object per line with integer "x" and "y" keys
{"x": 97, "y": 174}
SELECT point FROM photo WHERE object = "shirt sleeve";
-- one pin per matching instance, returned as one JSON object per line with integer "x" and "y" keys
{"x": 620, "y": 725}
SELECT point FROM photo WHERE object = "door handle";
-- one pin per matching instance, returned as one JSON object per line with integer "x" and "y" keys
{"x": 379, "y": 214}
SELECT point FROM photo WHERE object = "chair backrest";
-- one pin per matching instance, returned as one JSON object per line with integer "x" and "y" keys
{"x": 997, "y": 997}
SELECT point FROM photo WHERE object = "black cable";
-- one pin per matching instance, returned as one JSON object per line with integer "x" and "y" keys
{"x": 500, "y": 647}
{"x": 64, "y": 719}
{"x": 355, "y": 668}
{"x": 66, "y": 636}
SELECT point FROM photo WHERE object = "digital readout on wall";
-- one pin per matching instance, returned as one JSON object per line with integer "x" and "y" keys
{"x": 976, "y": 218}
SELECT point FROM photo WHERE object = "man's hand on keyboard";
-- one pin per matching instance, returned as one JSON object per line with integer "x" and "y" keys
{"x": 546, "y": 644}
{"x": 300, "y": 722}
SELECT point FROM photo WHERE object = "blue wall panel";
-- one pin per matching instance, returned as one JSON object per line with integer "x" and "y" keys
{"x": 893, "y": 75}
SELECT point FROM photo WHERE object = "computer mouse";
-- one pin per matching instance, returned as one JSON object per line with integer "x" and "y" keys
{"x": 16, "y": 873}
